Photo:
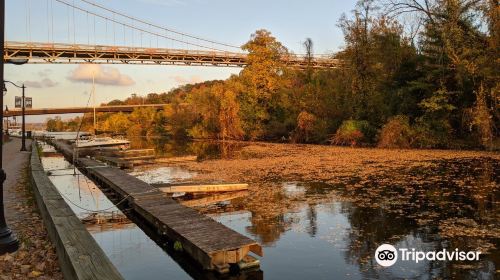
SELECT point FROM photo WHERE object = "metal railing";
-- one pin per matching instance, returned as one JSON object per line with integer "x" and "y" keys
{"x": 100, "y": 54}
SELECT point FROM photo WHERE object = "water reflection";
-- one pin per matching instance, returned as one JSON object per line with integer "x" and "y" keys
{"x": 316, "y": 230}
{"x": 136, "y": 256}
{"x": 80, "y": 193}
{"x": 161, "y": 174}
{"x": 451, "y": 204}
{"x": 202, "y": 149}
{"x": 134, "y": 248}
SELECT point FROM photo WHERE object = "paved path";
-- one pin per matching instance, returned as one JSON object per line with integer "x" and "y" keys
{"x": 14, "y": 163}
{"x": 36, "y": 257}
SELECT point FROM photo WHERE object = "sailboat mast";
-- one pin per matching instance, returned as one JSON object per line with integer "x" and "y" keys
{"x": 93, "y": 101}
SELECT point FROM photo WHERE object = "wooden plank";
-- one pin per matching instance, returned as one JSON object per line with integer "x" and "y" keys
{"x": 176, "y": 159}
{"x": 138, "y": 158}
{"x": 205, "y": 188}
{"x": 126, "y": 153}
{"x": 214, "y": 198}
{"x": 117, "y": 162}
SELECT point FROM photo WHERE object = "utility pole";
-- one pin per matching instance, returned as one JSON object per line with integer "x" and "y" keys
{"x": 23, "y": 136}
{"x": 23, "y": 108}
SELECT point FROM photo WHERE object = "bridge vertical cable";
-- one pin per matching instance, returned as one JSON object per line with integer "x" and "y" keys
{"x": 52, "y": 18}
{"x": 88, "y": 29}
{"x": 114, "y": 32}
{"x": 69, "y": 25}
{"x": 48, "y": 22}
{"x": 95, "y": 35}
{"x": 74, "y": 25}
{"x": 150, "y": 29}
{"x": 106, "y": 32}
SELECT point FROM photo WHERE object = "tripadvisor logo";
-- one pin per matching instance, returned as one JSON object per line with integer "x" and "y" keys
{"x": 387, "y": 255}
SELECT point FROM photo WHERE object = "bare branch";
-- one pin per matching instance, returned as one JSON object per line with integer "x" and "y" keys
{"x": 399, "y": 7}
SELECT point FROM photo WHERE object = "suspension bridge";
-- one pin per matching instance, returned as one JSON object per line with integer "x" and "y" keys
{"x": 113, "y": 37}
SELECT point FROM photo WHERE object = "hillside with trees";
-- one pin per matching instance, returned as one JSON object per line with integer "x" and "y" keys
{"x": 431, "y": 83}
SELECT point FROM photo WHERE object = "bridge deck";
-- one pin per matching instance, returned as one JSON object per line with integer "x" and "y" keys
{"x": 33, "y": 52}
{"x": 210, "y": 243}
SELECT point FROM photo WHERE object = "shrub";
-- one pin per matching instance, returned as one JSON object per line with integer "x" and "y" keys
{"x": 353, "y": 132}
{"x": 396, "y": 133}
{"x": 305, "y": 126}
{"x": 432, "y": 133}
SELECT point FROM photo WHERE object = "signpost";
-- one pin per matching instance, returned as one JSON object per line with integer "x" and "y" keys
{"x": 18, "y": 102}
{"x": 28, "y": 102}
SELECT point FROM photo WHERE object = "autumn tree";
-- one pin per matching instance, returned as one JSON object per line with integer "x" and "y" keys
{"x": 143, "y": 121}
{"x": 55, "y": 124}
{"x": 117, "y": 123}
{"x": 262, "y": 79}
{"x": 217, "y": 108}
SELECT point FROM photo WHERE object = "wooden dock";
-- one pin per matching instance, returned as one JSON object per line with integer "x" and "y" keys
{"x": 116, "y": 162}
{"x": 211, "y": 244}
{"x": 214, "y": 198}
{"x": 171, "y": 160}
{"x": 200, "y": 188}
{"x": 79, "y": 255}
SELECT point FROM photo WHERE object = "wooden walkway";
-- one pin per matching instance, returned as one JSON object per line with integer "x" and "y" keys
{"x": 213, "y": 245}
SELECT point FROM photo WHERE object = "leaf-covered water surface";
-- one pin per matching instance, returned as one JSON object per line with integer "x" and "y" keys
{"x": 353, "y": 200}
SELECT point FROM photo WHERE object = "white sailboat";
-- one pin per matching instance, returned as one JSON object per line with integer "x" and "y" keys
{"x": 101, "y": 142}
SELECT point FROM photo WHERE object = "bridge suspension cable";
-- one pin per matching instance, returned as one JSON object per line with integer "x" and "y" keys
{"x": 86, "y": 16}
{"x": 133, "y": 27}
{"x": 157, "y": 26}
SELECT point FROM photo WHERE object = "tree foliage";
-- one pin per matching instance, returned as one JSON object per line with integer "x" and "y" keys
{"x": 433, "y": 84}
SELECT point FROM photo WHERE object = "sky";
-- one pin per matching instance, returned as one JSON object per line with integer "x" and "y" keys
{"x": 227, "y": 21}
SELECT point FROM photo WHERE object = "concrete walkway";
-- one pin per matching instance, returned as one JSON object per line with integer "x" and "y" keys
{"x": 36, "y": 257}
{"x": 14, "y": 163}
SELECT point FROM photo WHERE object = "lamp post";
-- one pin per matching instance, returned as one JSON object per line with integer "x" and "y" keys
{"x": 7, "y": 121}
{"x": 8, "y": 240}
{"x": 23, "y": 106}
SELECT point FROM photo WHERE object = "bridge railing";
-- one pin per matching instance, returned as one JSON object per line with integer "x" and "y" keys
{"x": 78, "y": 53}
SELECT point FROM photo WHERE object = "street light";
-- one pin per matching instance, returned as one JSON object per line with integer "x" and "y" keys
{"x": 8, "y": 240}
{"x": 23, "y": 106}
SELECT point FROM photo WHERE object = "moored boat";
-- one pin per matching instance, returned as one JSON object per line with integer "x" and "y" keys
{"x": 100, "y": 142}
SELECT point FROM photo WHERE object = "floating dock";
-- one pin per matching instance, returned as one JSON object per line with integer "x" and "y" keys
{"x": 211, "y": 244}
{"x": 200, "y": 188}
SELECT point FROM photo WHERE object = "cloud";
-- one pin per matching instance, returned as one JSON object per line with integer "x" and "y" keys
{"x": 104, "y": 75}
{"x": 44, "y": 83}
{"x": 45, "y": 73}
{"x": 181, "y": 80}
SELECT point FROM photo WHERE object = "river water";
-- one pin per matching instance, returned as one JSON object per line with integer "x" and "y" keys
{"x": 314, "y": 230}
